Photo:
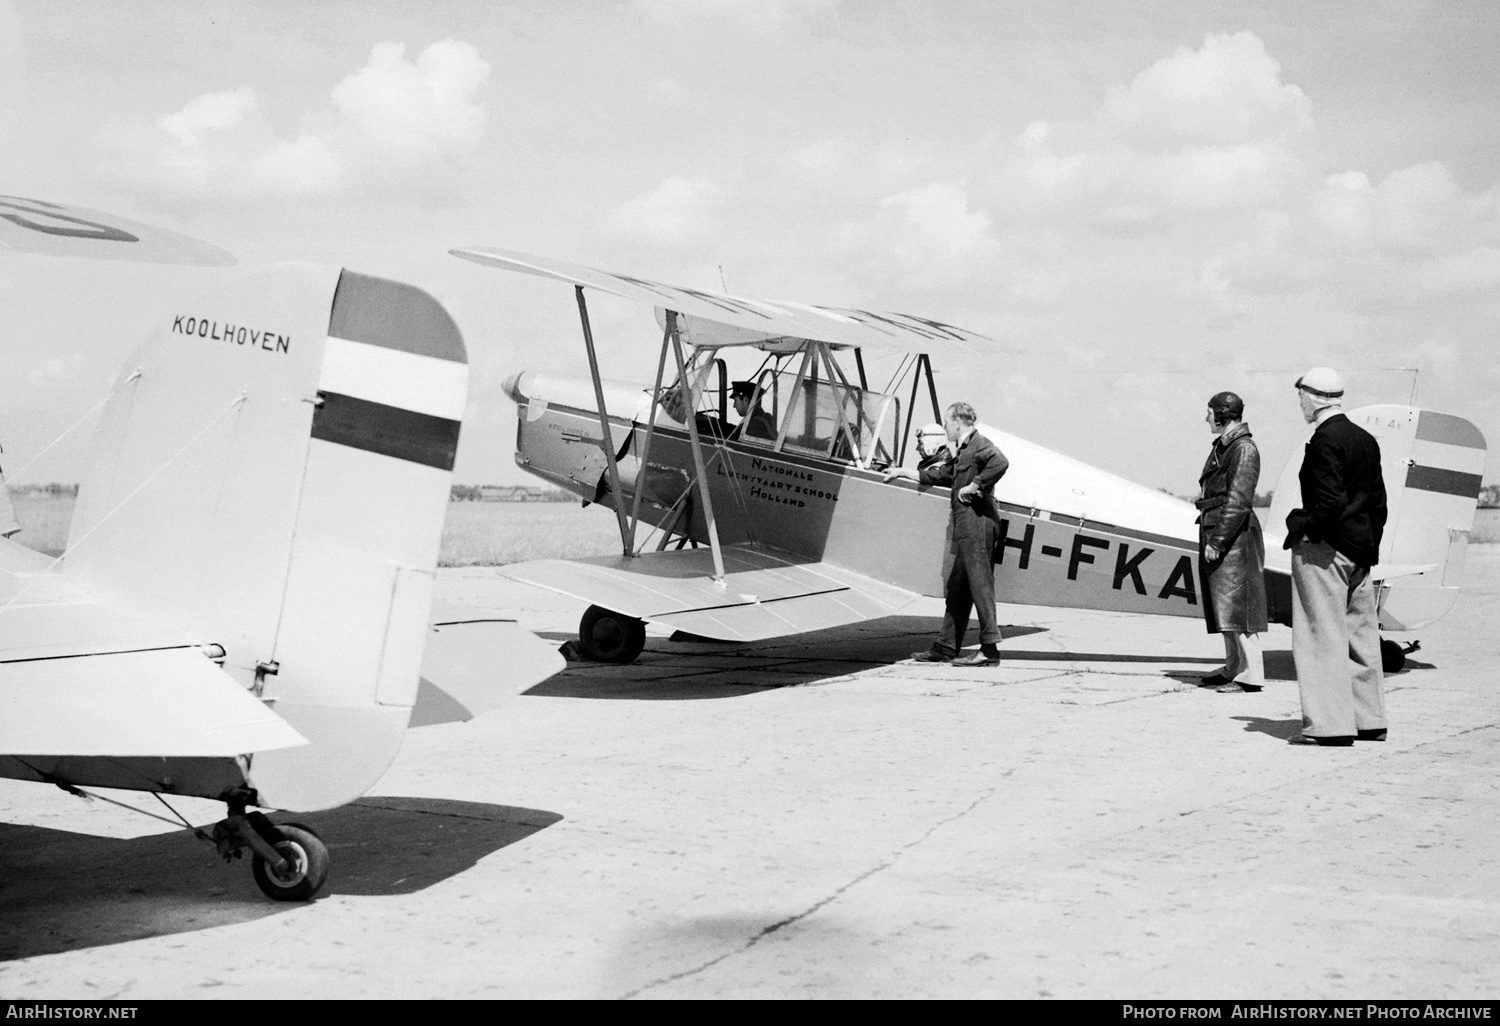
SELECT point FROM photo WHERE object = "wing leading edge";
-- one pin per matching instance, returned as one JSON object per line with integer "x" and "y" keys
{"x": 760, "y": 319}
{"x": 765, "y": 593}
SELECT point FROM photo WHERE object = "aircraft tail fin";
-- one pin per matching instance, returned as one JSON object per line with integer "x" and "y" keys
{"x": 1432, "y": 464}
{"x": 272, "y": 472}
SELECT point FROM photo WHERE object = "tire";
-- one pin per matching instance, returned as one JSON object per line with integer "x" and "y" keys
{"x": 309, "y": 865}
{"x": 1392, "y": 659}
{"x": 605, "y": 636}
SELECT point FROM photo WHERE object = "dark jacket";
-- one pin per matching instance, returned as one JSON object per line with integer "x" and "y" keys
{"x": 977, "y": 460}
{"x": 1343, "y": 492}
{"x": 757, "y": 424}
{"x": 936, "y": 459}
{"x": 1234, "y": 588}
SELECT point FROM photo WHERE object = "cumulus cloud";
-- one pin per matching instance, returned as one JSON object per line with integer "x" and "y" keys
{"x": 394, "y": 121}
{"x": 1412, "y": 237}
{"x": 925, "y": 238}
{"x": 1212, "y": 140}
{"x": 1203, "y": 130}
{"x": 1227, "y": 92}
{"x": 680, "y": 211}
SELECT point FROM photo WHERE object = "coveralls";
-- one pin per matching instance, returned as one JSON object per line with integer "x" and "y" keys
{"x": 975, "y": 529}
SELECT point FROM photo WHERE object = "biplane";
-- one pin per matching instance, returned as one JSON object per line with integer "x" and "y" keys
{"x": 244, "y": 608}
{"x": 745, "y": 535}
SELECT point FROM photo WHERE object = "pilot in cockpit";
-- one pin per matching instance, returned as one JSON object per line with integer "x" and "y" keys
{"x": 754, "y": 421}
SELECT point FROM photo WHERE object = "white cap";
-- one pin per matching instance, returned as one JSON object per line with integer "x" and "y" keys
{"x": 933, "y": 431}
{"x": 1323, "y": 382}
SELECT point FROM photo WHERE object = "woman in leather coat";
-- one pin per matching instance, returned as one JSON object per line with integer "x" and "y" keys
{"x": 1231, "y": 550}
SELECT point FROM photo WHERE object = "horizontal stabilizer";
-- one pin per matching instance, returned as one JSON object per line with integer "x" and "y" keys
{"x": 17, "y": 558}
{"x": 1391, "y": 571}
{"x": 765, "y": 593}
{"x": 168, "y": 702}
{"x": 473, "y": 663}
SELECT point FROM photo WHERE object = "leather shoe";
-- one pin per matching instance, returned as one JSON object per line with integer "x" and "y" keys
{"x": 1213, "y": 680}
{"x": 1340, "y": 741}
{"x": 977, "y": 659}
{"x": 1234, "y": 687}
{"x": 930, "y": 656}
{"x": 1376, "y": 734}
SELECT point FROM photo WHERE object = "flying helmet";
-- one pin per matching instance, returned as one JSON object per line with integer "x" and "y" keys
{"x": 1226, "y": 407}
{"x": 932, "y": 437}
{"x": 1323, "y": 382}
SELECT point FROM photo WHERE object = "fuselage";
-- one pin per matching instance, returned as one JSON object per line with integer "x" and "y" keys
{"x": 1071, "y": 535}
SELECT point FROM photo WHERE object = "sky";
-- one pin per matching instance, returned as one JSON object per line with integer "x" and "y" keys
{"x": 1142, "y": 203}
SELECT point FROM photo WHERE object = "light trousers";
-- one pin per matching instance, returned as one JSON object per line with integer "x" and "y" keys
{"x": 1242, "y": 658}
{"x": 1335, "y": 643}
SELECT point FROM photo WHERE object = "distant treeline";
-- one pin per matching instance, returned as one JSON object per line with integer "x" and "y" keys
{"x": 508, "y": 493}
{"x": 47, "y": 489}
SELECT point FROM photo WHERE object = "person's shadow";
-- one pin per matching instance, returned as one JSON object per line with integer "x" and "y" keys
{"x": 1282, "y": 730}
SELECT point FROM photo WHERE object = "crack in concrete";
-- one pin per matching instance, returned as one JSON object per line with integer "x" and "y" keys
{"x": 881, "y": 866}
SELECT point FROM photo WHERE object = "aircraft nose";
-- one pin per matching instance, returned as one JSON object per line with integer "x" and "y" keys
{"x": 512, "y": 386}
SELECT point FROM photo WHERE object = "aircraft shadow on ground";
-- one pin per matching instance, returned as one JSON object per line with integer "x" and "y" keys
{"x": 695, "y": 669}
{"x": 691, "y": 669}
{"x": 61, "y": 891}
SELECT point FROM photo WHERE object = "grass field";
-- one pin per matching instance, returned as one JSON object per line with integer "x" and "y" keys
{"x": 475, "y": 534}
{"x": 486, "y": 533}
{"x": 495, "y": 533}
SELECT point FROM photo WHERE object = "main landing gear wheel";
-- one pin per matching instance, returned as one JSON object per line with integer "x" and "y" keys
{"x": 605, "y": 636}
{"x": 306, "y": 865}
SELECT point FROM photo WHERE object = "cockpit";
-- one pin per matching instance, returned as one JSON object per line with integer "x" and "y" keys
{"x": 801, "y": 402}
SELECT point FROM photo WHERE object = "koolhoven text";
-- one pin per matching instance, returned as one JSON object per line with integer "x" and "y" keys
{"x": 256, "y": 338}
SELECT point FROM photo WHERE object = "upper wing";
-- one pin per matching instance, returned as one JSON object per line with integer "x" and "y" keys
{"x": 37, "y": 226}
{"x": 765, "y": 594}
{"x": 758, "y": 320}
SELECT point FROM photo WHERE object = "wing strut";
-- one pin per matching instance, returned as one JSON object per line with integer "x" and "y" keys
{"x": 923, "y": 364}
{"x": 626, "y": 534}
{"x": 661, "y": 368}
{"x": 697, "y": 446}
{"x": 835, "y": 374}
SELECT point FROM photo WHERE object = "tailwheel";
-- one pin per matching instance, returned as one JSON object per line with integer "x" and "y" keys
{"x": 605, "y": 636}
{"x": 304, "y": 867}
{"x": 1393, "y": 656}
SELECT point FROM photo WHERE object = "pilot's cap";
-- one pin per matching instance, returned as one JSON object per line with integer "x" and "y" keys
{"x": 1227, "y": 406}
{"x": 1322, "y": 382}
{"x": 933, "y": 434}
{"x": 742, "y": 390}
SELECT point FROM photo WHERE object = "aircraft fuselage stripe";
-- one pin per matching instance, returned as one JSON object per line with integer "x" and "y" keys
{"x": 1449, "y": 430}
{"x": 387, "y": 430}
{"x": 1449, "y": 482}
{"x": 393, "y": 315}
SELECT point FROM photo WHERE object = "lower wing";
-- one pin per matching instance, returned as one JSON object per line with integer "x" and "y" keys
{"x": 764, "y": 594}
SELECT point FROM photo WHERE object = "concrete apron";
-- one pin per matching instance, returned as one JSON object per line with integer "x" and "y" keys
{"x": 811, "y": 817}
